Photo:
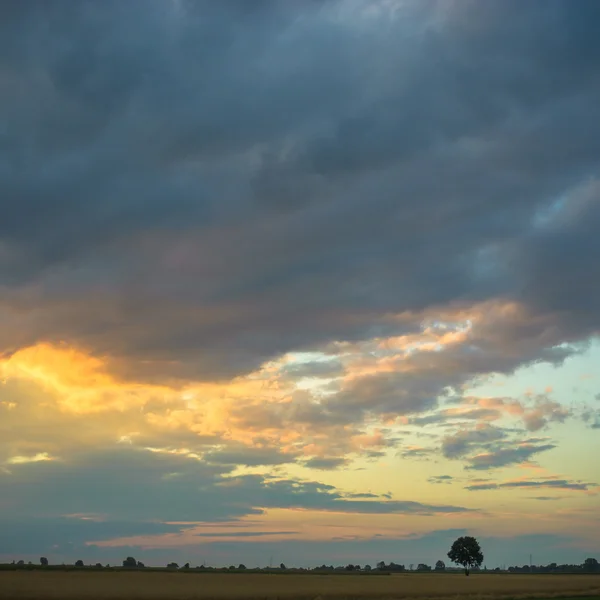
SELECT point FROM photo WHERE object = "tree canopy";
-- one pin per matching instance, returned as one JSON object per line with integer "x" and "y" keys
{"x": 465, "y": 551}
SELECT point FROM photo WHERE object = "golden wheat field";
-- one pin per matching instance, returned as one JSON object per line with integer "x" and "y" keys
{"x": 23, "y": 585}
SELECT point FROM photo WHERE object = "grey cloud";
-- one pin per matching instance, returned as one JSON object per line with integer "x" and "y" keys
{"x": 155, "y": 486}
{"x": 481, "y": 487}
{"x": 561, "y": 484}
{"x": 361, "y": 495}
{"x": 465, "y": 441}
{"x": 65, "y": 534}
{"x": 424, "y": 453}
{"x": 193, "y": 217}
{"x": 591, "y": 417}
{"x": 318, "y": 369}
{"x": 544, "y": 412}
{"x": 239, "y": 454}
{"x": 444, "y": 416}
{"x": 326, "y": 464}
{"x": 395, "y": 393}
{"x": 544, "y": 498}
{"x": 507, "y": 456}
{"x": 440, "y": 479}
{"x": 316, "y": 495}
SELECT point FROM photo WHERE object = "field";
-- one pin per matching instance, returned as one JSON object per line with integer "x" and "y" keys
{"x": 86, "y": 585}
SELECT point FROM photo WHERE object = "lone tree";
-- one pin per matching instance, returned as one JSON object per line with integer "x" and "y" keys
{"x": 79, "y": 563}
{"x": 440, "y": 566}
{"x": 591, "y": 564}
{"x": 44, "y": 561}
{"x": 130, "y": 563}
{"x": 466, "y": 552}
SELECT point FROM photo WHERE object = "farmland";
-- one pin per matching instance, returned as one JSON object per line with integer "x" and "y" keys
{"x": 89, "y": 585}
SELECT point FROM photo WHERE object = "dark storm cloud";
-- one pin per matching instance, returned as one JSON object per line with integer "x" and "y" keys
{"x": 193, "y": 188}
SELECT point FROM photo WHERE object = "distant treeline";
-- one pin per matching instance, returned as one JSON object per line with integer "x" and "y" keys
{"x": 590, "y": 565}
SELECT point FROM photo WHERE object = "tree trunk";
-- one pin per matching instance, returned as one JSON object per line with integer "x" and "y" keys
{"x": 467, "y": 572}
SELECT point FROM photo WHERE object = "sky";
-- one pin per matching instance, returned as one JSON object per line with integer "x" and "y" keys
{"x": 301, "y": 281}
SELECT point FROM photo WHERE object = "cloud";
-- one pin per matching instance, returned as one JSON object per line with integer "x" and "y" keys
{"x": 241, "y": 455}
{"x": 544, "y": 498}
{"x": 440, "y": 479}
{"x": 181, "y": 488}
{"x": 544, "y": 411}
{"x": 159, "y": 220}
{"x": 326, "y": 464}
{"x": 191, "y": 239}
{"x": 591, "y": 417}
{"x": 63, "y": 535}
{"x": 314, "y": 369}
{"x": 465, "y": 441}
{"x": 196, "y": 193}
{"x": 507, "y": 456}
{"x": 561, "y": 484}
{"x": 417, "y": 452}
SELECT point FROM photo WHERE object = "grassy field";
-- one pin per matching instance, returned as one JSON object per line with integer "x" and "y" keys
{"x": 39, "y": 585}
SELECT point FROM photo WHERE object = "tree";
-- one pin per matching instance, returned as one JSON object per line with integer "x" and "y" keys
{"x": 440, "y": 565}
{"x": 381, "y": 566}
{"x": 282, "y": 567}
{"x": 591, "y": 564}
{"x": 367, "y": 568}
{"x": 466, "y": 552}
{"x": 79, "y": 563}
{"x": 44, "y": 561}
{"x": 130, "y": 563}
{"x": 241, "y": 567}
{"x": 423, "y": 567}
{"x": 140, "y": 565}
{"x": 173, "y": 565}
